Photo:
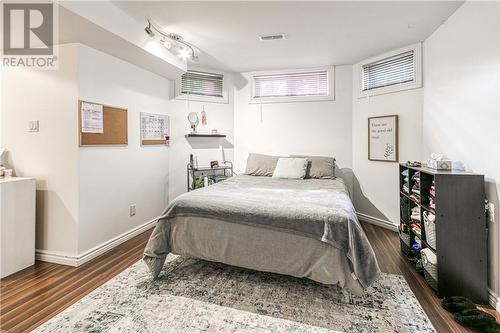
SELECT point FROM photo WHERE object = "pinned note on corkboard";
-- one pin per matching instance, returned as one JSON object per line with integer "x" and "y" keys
{"x": 102, "y": 125}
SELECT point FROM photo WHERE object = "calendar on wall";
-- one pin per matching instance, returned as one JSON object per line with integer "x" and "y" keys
{"x": 155, "y": 129}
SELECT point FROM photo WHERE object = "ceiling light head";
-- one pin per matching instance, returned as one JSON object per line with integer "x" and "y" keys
{"x": 149, "y": 31}
{"x": 175, "y": 37}
{"x": 185, "y": 53}
{"x": 272, "y": 37}
{"x": 166, "y": 44}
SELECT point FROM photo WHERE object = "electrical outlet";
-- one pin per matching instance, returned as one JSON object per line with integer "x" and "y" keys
{"x": 33, "y": 126}
{"x": 132, "y": 210}
{"x": 491, "y": 212}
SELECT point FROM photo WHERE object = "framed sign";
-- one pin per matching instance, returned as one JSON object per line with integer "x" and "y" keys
{"x": 383, "y": 138}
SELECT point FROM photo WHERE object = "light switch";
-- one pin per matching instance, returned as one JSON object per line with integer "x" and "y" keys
{"x": 33, "y": 126}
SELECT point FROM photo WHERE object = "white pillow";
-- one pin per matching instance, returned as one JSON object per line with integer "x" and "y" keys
{"x": 291, "y": 168}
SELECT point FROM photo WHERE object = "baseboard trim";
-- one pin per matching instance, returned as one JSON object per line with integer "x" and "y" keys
{"x": 56, "y": 257}
{"x": 494, "y": 300}
{"x": 376, "y": 221}
{"x": 77, "y": 260}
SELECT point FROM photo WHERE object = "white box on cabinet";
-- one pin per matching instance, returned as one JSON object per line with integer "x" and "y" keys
{"x": 17, "y": 224}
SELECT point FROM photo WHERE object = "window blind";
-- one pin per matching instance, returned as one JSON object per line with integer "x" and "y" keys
{"x": 199, "y": 83}
{"x": 389, "y": 71}
{"x": 293, "y": 84}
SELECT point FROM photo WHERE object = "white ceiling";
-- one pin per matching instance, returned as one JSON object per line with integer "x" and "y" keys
{"x": 318, "y": 33}
{"x": 74, "y": 28}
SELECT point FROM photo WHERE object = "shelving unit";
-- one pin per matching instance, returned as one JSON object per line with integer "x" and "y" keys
{"x": 460, "y": 230}
{"x": 217, "y": 174}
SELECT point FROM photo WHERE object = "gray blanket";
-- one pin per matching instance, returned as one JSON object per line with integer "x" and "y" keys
{"x": 315, "y": 208}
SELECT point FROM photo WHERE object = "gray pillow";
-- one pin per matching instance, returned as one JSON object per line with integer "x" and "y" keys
{"x": 261, "y": 165}
{"x": 320, "y": 167}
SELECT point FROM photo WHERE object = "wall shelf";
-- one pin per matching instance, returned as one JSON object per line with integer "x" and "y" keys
{"x": 205, "y": 135}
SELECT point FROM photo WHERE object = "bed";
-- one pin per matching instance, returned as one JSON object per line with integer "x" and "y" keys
{"x": 299, "y": 227}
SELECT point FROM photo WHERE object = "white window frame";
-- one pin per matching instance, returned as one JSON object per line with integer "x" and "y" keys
{"x": 200, "y": 98}
{"x": 290, "y": 99}
{"x": 416, "y": 83}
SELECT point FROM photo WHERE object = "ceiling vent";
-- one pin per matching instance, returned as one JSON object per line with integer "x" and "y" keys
{"x": 272, "y": 37}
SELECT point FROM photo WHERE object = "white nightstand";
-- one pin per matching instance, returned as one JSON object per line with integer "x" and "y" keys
{"x": 17, "y": 224}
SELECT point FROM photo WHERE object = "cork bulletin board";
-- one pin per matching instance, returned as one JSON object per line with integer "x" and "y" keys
{"x": 102, "y": 125}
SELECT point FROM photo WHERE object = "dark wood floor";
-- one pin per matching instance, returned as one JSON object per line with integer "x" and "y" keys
{"x": 386, "y": 246}
{"x": 34, "y": 295}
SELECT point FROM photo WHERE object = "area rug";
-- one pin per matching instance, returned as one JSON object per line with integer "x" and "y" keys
{"x": 200, "y": 296}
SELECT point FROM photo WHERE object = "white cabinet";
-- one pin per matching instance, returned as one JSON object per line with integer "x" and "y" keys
{"x": 17, "y": 224}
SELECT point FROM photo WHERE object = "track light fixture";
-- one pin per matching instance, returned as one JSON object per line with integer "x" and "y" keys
{"x": 149, "y": 31}
{"x": 172, "y": 42}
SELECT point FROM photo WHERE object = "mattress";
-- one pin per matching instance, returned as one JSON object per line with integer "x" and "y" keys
{"x": 318, "y": 210}
{"x": 262, "y": 250}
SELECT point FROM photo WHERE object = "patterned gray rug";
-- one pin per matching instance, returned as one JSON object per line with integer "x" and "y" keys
{"x": 200, "y": 296}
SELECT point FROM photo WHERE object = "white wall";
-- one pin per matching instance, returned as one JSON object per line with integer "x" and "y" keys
{"x": 220, "y": 116}
{"x": 461, "y": 115}
{"x": 51, "y": 155}
{"x": 376, "y": 184}
{"x": 84, "y": 194}
{"x": 113, "y": 178}
{"x": 336, "y": 128}
{"x": 313, "y": 128}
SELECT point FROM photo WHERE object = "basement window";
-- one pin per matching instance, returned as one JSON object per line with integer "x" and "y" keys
{"x": 391, "y": 72}
{"x": 313, "y": 84}
{"x": 201, "y": 86}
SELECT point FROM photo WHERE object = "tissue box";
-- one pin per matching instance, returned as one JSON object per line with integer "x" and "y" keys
{"x": 440, "y": 165}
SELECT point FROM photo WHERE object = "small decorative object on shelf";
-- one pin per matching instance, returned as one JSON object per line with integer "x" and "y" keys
{"x": 203, "y": 117}
{"x": 414, "y": 164}
{"x": 193, "y": 161}
{"x": 215, "y": 131}
{"x": 194, "y": 121}
{"x": 221, "y": 157}
{"x": 214, "y": 164}
{"x": 438, "y": 162}
{"x": 204, "y": 176}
